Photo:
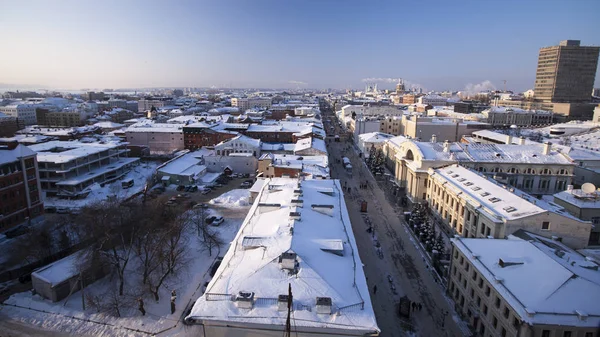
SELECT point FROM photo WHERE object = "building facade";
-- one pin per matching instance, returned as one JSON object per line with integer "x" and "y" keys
{"x": 161, "y": 138}
{"x": 505, "y": 117}
{"x": 20, "y": 190}
{"x": 527, "y": 286}
{"x": 475, "y": 206}
{"x": 566, "y": 73}
{"x": 24, "y": 112}
{"x": 244, "y": 104}
{"x": 8, "y": 125}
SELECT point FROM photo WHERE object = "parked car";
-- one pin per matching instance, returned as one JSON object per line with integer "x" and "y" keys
{"x": 209, "y": 220}
{"x": 182, "y": 196}
{"x": 217, "y": 185}
{"x": 180, "y": 188}
{"x": 187, "y": 188}
{"x": 193, "y": 188}
{"x": 234, "y": 176}
{"x": 217, "y": 221}
{"x": 200, "y": 206}
{"x": 246, "y": 184}
{"x": 206, "y": 191}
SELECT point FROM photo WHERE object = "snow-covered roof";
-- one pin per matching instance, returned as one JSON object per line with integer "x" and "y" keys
{"x": 151, "y": 126}
{"x": 58, "y": 151}
{"x": 501, "y": 153}
{"x": 282, "y": 228}
{"x": 579, "y": 198}
{"x": 287, "y": 147}
{"x": 27, "y": 139}
{"x": 375, "y": 137}
{"x": 317, "y": 166}
{"x": 543, "y": 287}
{"x": 109, "y": 125}
{"x": 58, "y": 271}
{"x": 504, "y": 109}
{"x": 10, "y": 156}
{"x": 310, "y": 142}
{"x": 396, "y": 141}
{"x": 188, "y": 164}
{"x": 251, "y": 142}
{"x": 497, "y": 202}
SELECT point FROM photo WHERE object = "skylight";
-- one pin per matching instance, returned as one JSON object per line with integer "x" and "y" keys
{"x": 475, "y": 188}
{"x": 468, "y": 183}
{"x": 495, "y": 200}
{"x": 485, "y": 194}
{"x": 509, "y": 209}
{"x": 461, "y": 179}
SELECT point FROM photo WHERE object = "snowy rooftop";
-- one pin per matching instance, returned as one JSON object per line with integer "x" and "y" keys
{"x": 504, "y": 109}
{"x": 497, "y": 202}
{"x": 544, "y": 287}
{"x": 58, "y": 271}
{"x": 57, "y": 151}
{"x": 310, "y": 142}
{"x": 375, "y": 137}
{"x": 109, "y": 125}
{"x": 502, "y": 153}
{"x": 317, "y": 166}
{"x": 27, "y": 139}
{"x": 187, "y": 164}
{"x": 287, "y": 147}
{"x": 49, "y": 131}
{"x": 252, "y": 142}
{"x": 300, "y": 237}
{"x": 397, "y": 140}
{"x": 580, "y": 198}
{"x": 150, "y": 126}
{"x": 10, "y": 156}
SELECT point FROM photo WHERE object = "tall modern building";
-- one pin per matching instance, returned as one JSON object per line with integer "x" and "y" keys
{"x": 566, "y": 72}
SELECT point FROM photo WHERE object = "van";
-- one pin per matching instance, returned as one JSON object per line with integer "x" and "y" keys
{"x": 127, "y": 183}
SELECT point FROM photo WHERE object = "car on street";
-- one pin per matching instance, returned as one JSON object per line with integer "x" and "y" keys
{"x": 245, "y": 184}
{"x": 206, "y": 191}
{"x": 196, "y": 206}
{"x": 217, "y": 221}
{"x": 193, "y": 188}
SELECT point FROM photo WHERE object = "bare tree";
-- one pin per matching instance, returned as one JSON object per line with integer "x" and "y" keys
{"x": 210, "y": 238}
{"x": 172, "y": 256}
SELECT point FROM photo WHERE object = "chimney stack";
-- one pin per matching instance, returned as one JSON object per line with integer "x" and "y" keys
{"x": 521, "y": 140}
{"x": 547, "y": 147}
{"x": 509, "y": 139}
{"x": 433, "y": 138}
{"x": 446, "y": 146}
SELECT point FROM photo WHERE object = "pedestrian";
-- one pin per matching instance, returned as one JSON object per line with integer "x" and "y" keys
{"x": 420, "y": 306}
{"x": 374, "y": 289}
{"x": 413, "y": 306}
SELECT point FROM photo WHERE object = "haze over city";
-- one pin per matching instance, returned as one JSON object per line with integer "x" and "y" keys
{"x": 302, "y": 44}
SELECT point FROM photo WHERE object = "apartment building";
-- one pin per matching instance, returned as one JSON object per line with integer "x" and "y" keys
{"x": 8, "y": 125}
{"x": 376, "y": 140}
{"x": 526, "y": 286}
{"x": 584, "y": 206}
{"x": 68, "y": 168}
{"x": 148, "y": 103}
{"x": 534, "y": 168}
{"x": 160, "y": 138}
{"x": 433, "y": 100}
{"x": 244, "y": 104}
{"x": 20, "y": 191}
{"x": 392, "y": 125}
{"x": 239, "y": 144}
{"x": 24, "y": 112}
{"x": 475, "y": 206}
{"x": 63, "y": 118}
{"x": 439, "y": 128}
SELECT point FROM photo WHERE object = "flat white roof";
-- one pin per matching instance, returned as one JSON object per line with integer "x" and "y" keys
{"x": 375, "y": 137}
{"x": 543, "y": 288}
{"x": 147, "y": 126}
{"x": 58, "y": 271}
{"x": 188, "y": 164}
{"x": 270, "y": 223}
{"x": 10, "y": 156}
{"x": 580, "y": 198}
{"x": 69, "y": 150}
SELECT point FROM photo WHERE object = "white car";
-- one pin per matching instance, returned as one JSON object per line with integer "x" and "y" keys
{"x": 217, "y": 221}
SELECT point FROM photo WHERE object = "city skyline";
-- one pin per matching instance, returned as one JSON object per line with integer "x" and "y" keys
{"x": 72, "y": 45}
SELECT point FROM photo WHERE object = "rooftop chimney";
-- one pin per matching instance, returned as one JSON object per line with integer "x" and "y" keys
{"x": 446, "y": 146}
{"x": 433, "y": 138}
{"x": 509, "y": 139}
{"x": 324, "y": 305}
{"x": 547, "y": 147}
{"x": 521, "y": 140}
{"x": 245, "y": 299}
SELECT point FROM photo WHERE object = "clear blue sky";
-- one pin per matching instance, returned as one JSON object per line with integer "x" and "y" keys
{"x": 437, "y": 44}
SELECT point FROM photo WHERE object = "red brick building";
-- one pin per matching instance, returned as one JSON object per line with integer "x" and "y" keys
{"x": 197, "y": 137}
{"x": 20, "y": 190}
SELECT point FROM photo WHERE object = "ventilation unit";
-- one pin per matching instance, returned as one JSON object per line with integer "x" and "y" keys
{"x": 504, "y": 262}
{"x": 324, "y": 305}
{"x": 297, "y": 202}
{"x": 245, "y": 300}
{"x": 288, "y": 261}
{"x": 323, "y": 209}
{"x": 265, "y": 208}
{"x": 282, "y": 302}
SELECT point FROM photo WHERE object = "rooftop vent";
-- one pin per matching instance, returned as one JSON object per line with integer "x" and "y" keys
{"x": 297, "y": 202}
{"x": 323, "y": 209}
{"x": 461, "y": 179}
{"x": 326, "y": 191}
{"x": 324, "y": 305}
{"x": 468, "y": 183}
{"x": 498, "y": 279}
{"x": 288, "y": 261}
{"x": 485, "y": 194}
{"x": 333, "y": 246}
{"x": 282, "y": 302}
{"x": 530, "y": 312}
{"x": 582, "y": 315}
{"x": 264, "y": 207}
{"x": 454, "y": 175}
{"x": 559, "y": 253}
{"x": 250, "y": 242}
{"x": 475, "y": 188}
{"x": 245, "y": 299}
{"x": 589, "y": 265}
{"x": 508, "y": 262}
{"x": 509, "y": 209}
{"x": 298, "y": 192}
{"x": 495, "y": 200}
{"x": 295, "y": 215}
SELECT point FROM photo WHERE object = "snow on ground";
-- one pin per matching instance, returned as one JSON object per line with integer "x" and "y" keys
{"x": 233, "y": 198}
{"x": 138, "y": 173}
{"x": 68, "y": 315}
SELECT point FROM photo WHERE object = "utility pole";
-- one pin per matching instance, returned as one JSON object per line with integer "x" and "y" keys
{"x": 504, "y": 85}
{"x": 288, "y": 326}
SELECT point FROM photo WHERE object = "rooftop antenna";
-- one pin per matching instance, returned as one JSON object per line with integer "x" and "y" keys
{"x": 504, "y": 85}
{"x": 588, "y": 188}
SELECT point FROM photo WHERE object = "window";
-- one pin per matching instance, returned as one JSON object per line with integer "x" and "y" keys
{"x": 478, "y": 300}
{"x": 545, "y": 333}
{"x": 472, "y": 293}
{"x": 506, "y": 312}
{"x": 497, "y": 302}
{"x": 546, "y": 225}
{"x": 494, "y": 322}
{"x": 503, "y": 332}
{"x": 516, "y": 322}
{"x": 481, "y": 282}
{"x": 485, "y": 309}
{"x": 487, "y": 290}
{"x": 567, "y": 334}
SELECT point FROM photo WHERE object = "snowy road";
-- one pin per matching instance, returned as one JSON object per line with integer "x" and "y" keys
{"x": 401, "y": 259}
{"x": 12, "y": 328}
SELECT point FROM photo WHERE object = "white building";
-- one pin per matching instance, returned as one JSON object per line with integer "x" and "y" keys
{"x": 24, "y": 112}
{"x": 239, "y": 144}
{"x": 297, "y": 234}
{"x": 68, "y": 168}
{"x": 507, "y": 116}
{"x": 525, "y": 286}
{"x": 372, "y": 139}
{"x": 185, "y": 169}
{"x": 252, "y": 102}
{"x": 161, "y": 138}
{"x": 433, "y": 100}
{"x": 310, "y": 147}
